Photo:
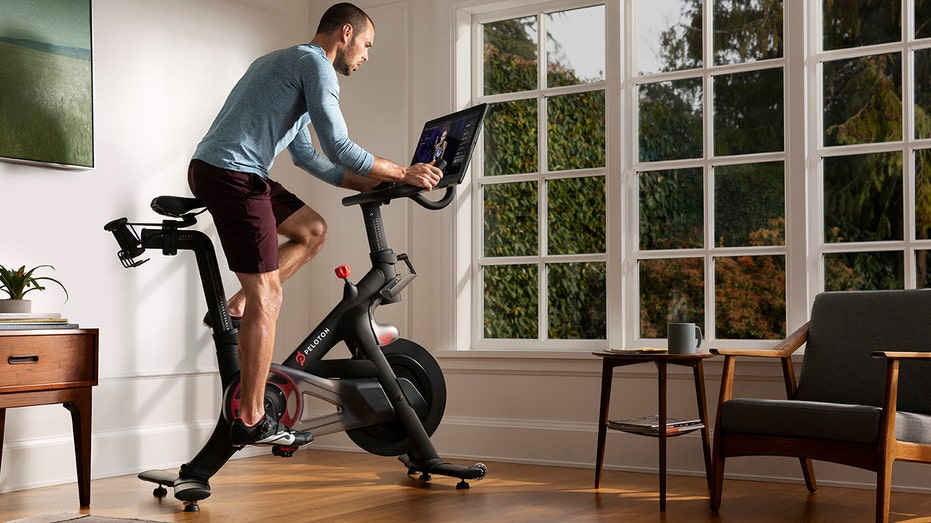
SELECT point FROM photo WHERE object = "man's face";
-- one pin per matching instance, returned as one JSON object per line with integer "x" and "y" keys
{"x": 349, "y": 58}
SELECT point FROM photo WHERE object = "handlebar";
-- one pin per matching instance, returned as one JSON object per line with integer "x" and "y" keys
{"x": 384, "y": 193}
{"x": 401, "y": 191}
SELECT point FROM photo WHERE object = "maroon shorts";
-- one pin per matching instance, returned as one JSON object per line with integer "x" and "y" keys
{"x": 247, "y": 210}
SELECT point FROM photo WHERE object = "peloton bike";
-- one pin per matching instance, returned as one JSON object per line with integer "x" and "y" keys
{"x": 389, "y": 394}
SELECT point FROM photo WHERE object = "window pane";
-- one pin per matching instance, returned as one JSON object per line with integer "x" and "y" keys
{"x": 576, "y": 131}
{"x": 863, "y": 100}
{"x": 749, "y": 205}
{"x": 923, "y": 194}
{"x": 923, "y": 92}
{"x": 748, "y": 112}
{"x": 510, "y": 302}
{"x": 922, "y": 258}
{"x": 510, "y": 55}
{"x": 671, "y": 290}
{"x": 575, "y": 56}
{"x": 859, "y": 271}
{"x": 855, "y": 24}
{"x": 668, "y": 35}
{"x": 511, "y": 219}
{"x": 863, "y": 198}
{"x": 576, "y": 215}
{"x": 746, "y": 33}
{"x": 750, "y": 297}
{"x": 922, "y": 19}
{"x": 577, "y": 301}
{"x": 671, "y": 209}
{"x": 511, "y": 138}
{"x": 670, "y": 117}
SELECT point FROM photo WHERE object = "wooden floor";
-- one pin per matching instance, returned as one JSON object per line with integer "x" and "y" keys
{"x": 317, "y": 485}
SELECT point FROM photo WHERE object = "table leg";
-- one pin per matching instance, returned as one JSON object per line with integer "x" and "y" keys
{"x": 699, "y": 374}
{"x": 607, "y": 374}
{"x": 2, "y": 423}
{"x": 661, "y": 371}
{"x": 80, "y": 408}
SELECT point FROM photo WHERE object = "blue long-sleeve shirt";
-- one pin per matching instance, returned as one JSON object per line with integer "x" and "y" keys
{"x": 269, "y": 109}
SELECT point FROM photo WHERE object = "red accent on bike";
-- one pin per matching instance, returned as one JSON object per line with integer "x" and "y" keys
{"x": 343, "y": 272}
{"x": 301, "y": 359}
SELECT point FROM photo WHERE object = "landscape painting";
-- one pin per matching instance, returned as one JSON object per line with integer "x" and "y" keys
{"x": 46, "y": 82}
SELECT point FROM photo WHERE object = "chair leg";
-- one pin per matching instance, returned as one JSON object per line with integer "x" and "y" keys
{"x": 883, "y": 491}
{"x": 808, "y": 471}
{"x": 717, "y": 481}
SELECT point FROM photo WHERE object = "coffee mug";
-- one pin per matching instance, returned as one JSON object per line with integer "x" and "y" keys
{"x": 684, "y": 338}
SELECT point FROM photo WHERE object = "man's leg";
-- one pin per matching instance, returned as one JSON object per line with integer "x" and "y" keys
{"x": 306, "y": 232}
{"x": 259, "y": 303}
{"x": 256, "y": 348}
{"x": 257, "y": 340}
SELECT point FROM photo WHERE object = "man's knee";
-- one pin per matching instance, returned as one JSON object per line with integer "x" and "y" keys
{"x": 263, "y": 291}
{"x": 306, "y": 228}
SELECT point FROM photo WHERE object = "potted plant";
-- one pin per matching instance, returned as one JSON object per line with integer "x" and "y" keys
{"x": 18, "y": 282}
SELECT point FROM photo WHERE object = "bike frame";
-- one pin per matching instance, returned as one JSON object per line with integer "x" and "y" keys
{"x": 364, "y": 388}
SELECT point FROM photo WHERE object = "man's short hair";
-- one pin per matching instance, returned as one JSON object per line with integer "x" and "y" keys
{"x": 341, "y": 14}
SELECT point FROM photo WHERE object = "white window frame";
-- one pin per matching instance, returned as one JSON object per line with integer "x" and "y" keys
{"x": 909, "y": 243}
{"x": 802, "y": 268}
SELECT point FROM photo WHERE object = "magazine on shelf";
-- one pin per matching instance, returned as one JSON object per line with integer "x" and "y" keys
{"x": 18, "y": 316}
{"x": 34, "y": 325}
{"x": 650, "y": 425}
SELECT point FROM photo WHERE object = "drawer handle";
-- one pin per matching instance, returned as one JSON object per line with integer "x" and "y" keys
{"x": 23, "y": 360}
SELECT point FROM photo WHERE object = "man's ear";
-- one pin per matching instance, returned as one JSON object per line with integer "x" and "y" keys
{"x": 345, "y": 33}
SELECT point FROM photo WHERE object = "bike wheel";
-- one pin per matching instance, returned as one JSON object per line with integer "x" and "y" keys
{"x": 414, "y": 363}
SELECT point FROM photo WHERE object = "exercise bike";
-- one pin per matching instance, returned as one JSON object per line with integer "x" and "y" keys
{"x": 389, "y": 394}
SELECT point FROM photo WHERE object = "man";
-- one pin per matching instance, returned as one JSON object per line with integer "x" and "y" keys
{"x": 269, "y": 110}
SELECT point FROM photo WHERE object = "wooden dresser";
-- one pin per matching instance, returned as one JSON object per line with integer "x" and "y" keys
{"x": 41, "y": 367}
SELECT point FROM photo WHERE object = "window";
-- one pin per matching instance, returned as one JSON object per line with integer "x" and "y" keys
{"x": 710, "y": 168}
{"x": 542, "y": 258}
{"x": 875, "y": 72}
{"x": 715, "y": 163}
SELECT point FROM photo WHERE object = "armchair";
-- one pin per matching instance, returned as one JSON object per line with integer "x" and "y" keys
{"x": 862, "y": 397}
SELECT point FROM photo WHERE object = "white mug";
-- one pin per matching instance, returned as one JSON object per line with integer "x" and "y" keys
{"x": 684, "y": 338}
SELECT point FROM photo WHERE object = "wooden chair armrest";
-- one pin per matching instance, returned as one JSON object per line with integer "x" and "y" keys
{"x": 783, "y": 352}
{"x": 785, "y": 348}
{"x": 899, "y": 355}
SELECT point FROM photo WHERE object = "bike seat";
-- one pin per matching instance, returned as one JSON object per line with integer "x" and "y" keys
{"x": 175, "y": 206}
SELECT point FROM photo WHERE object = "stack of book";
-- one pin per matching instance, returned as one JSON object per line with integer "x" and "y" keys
{"x": 649, "y": 425}
{"x": 34, "y": 320}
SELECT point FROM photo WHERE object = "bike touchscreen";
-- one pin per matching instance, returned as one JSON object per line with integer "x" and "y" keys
{"x": 451, "y": 138}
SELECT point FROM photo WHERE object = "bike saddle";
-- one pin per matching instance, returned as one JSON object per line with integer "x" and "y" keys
{"x": 175, "y": 206}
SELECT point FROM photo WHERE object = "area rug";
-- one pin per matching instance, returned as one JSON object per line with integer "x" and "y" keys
{"x": 62, "y": 517}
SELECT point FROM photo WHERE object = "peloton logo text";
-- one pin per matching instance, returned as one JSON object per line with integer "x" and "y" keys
{"x": 302, "y": 356}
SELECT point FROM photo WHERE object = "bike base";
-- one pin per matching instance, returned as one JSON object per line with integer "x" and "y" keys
{"x": 476, "y": 472}
{"x": 187, "y": 490}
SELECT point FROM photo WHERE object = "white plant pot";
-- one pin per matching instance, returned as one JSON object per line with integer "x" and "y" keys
{"x": 9, "y": 305}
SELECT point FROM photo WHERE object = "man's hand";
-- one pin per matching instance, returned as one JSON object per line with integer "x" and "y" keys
{"x": 419, "y": 175}
{"x": 422, "y": 175}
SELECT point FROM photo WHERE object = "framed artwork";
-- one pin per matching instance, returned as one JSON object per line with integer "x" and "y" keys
{"x": 46, "y": 82}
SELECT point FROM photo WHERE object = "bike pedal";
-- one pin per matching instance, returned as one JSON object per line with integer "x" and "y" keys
{"x": 283, "y": 451}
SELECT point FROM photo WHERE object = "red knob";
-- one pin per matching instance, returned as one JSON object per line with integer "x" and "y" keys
{"x": 343, "y": 271}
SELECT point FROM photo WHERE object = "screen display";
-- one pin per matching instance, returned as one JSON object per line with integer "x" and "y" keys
{"x": 452, "y": 138}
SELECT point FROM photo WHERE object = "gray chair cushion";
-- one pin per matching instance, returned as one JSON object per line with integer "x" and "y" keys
{"x": 846, "y": 327}
{"x": 819, "y": 420}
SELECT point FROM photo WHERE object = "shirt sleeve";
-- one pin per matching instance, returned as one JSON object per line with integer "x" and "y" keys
{"x": 306, "y": 157}
{"x": 321, "y": 90}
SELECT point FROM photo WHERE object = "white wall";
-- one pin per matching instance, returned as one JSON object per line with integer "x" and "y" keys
{"x": 162, "y": 69}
